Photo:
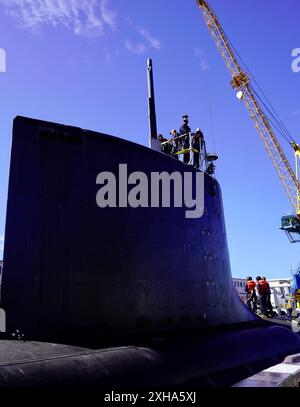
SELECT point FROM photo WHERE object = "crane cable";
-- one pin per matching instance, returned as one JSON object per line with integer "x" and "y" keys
{"x": 276, "y": 121}
{"x": 273, "y": 120}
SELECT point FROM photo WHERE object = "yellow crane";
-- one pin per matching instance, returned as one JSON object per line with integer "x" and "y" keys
{"x": 245, "y": 93}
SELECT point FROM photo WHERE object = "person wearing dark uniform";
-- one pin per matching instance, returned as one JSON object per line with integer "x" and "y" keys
{"x": 185, "y": 129}
{"x": 269, "y": 307}
{"x": 197, "y": 144}
{"x": 175, "y": 144}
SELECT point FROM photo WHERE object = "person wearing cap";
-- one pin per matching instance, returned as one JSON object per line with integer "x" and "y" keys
{"x": 197, "y": 144}
{"x": 185, "y": 129}
{"x": 175, "y": 144}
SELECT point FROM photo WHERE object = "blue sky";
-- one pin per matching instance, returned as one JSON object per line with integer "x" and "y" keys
{"x": 83, "y": 62}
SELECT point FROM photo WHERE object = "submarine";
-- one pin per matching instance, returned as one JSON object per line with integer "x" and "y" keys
{"x": 117, "y": 296}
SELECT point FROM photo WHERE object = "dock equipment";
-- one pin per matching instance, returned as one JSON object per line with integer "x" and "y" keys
{"x": 264, "y": 120}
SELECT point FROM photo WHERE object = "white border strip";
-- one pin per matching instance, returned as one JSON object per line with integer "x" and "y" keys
{"x": 282, "y": 375}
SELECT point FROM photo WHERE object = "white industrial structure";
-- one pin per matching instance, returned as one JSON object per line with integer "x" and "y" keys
{"x": 240, "y": 286}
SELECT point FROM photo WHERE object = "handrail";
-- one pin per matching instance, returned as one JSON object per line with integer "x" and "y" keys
{"x": 175, "y": 138}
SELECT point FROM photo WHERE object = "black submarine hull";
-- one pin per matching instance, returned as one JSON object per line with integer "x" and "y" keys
{"x": 72, "y": 267}
{"x": 218, "y": 360}
{"x": 79, "y": 275}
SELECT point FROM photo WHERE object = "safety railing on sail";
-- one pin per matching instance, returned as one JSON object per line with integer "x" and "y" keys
{"x": 189, "y": 149}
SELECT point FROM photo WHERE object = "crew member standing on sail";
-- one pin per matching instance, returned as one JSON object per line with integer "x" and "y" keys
{"x": 185, "y": 129}
{"x": 175, "y": 144}
{"x": 197, "y": 144}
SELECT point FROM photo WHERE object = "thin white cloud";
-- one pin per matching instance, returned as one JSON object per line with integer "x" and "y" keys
{"x": 108, "y": 15}
{"x": 1, "y": 238}
{"x": 83, "y": 17}
{"x": 152, "y": 41}
{"x": 135, "y": 48}
{"x": 204, "y": 65}
{"x": 1, "y": 248}
{"x": 200, "y": 54}
{"x": 149, "y": 41}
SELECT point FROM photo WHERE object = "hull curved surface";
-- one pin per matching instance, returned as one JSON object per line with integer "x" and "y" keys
{"x": 70, "y": 266}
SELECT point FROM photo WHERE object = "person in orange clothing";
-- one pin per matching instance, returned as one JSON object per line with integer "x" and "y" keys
{"x": 251, "y": 294}
{"x": 262, "y": 289}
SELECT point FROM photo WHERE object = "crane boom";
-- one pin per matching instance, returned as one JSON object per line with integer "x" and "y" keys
{"x": 241, "y": 81}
